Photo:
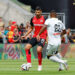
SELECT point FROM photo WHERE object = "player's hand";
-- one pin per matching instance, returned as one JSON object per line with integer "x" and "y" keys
{"x": 38, "y": 37}
{"x": 22, "y": 37}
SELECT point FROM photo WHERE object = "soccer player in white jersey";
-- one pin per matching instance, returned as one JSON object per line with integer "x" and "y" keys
{"x": 55, "y": 29}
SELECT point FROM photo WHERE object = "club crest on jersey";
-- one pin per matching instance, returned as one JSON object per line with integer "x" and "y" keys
{"x": 41, "y": 20}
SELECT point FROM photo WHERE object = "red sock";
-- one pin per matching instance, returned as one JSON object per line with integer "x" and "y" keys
{"x": 28, "y": 56}
{"x": 40, "y": 58}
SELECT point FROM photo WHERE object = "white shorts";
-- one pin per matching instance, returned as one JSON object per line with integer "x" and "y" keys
{"x": 51, "y": 49}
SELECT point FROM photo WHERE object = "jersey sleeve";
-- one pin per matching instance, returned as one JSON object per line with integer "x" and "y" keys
{"x": 46, "y": 22}
{"x": 63, "y": 27}
{"x": 31, "y": 23}
{"x": 45, "y": 17}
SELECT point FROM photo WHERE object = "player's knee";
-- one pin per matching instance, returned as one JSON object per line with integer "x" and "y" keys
{"x": 49, "y": 56}
{"x": 56, "y": 52}
{"x": 39, "y": 49}
{"x": 28, "y": 46}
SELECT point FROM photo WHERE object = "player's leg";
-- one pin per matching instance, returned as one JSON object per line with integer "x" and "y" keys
{"x": 30, "y": 44}
{"x": 61, "y": 67}
{"x": 51, "y": 50}
{"x": 28, "y": 53}
{"x": 39, "y": 52}
{"x": 28, "y": 56}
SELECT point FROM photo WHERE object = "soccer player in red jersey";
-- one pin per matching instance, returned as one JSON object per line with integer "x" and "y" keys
{"x": 37, "y": 23}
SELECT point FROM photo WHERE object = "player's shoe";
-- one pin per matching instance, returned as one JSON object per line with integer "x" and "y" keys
{"x": 61, "y": 69}
{"x": 40, "y": 68}
{"x": 66, "y": 65}
{"x": 25, "y": 67}
{"x": 29, "y": 65}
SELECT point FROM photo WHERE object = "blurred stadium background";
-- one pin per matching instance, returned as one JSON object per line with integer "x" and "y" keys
{"x": 21, "y": 11}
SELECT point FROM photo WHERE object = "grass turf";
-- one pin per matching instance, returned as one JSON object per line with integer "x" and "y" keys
{"x": 12, "y": 67}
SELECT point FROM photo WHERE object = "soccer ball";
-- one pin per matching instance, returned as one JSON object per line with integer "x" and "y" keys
{"x": 24, "y": 67}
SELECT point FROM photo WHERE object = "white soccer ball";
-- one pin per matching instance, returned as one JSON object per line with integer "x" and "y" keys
{"x": 24, "y": 67}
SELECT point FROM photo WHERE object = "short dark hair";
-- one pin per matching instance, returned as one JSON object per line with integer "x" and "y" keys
{"x": 53, "y": 11}
{"x": 21, "y": 24}
{"x": 38, "y": 8}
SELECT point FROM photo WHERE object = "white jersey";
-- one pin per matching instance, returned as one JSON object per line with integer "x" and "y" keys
{"x": 54, "y": 29}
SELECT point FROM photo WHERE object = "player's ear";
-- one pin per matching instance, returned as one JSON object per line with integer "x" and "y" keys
{"x": 41, "y": 11}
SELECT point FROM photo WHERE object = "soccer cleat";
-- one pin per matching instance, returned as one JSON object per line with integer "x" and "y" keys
{"x": 25, "y": 67}
{"x": 39, "y": 68}
{"x": 60, "y": 69}
{"x": 65, "y": 64}
{"x": 29, "y": 65}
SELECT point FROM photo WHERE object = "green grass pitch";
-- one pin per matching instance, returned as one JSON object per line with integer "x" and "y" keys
{"x": 12, "y": 67}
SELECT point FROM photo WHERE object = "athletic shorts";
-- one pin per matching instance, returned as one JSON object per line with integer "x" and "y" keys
{"x": 34, "y": 42}
{"x": 51, "y": 49}
{"x": 25, "y": 41}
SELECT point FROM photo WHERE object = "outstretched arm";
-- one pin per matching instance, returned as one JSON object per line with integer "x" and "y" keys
{"x": 63, "y": 32}
{"x": 43, "y": 28}
{"x": 38, "y": 36}
{"x": 29, "y": 31}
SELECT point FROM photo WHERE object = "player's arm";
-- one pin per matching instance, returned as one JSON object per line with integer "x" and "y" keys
{"x": 29, "y": 31}
{"x": 47, "y": 39}
{"x": 63, "y": 32}
{"x": 31, "y": 28}
{"x": 63, "y": 29}
{"x": 42, "y": 30}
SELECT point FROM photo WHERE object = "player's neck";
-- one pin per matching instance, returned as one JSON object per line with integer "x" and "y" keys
{"x": 38, "y": 16}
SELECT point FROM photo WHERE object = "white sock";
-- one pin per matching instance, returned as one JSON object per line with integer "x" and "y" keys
{"x": 60, "y": 57}
{"x": 61, "y": 66}
{"x": 56, "y": 59}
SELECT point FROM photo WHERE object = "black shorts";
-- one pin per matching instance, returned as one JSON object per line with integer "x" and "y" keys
{"x": 34, "y": 42}
{"x": 25, "y": 41}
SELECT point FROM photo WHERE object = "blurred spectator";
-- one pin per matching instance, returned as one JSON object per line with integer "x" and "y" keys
{"x": 21, "y": 29}
{"x": 13, "y": 26}
{"x": 26, "y": 29}
{"x": 2, "y": 37}
{"x": 6, "y": 30}
{"x": 10, "y": 23}
{"x": 65, "y": 38}
{"x": 10, "y": 36}
{"x": 25, "y": 40}
{"x": 1, "y": 20}
{"x": 72, "y": 38}
{"x": 16, "y": 36}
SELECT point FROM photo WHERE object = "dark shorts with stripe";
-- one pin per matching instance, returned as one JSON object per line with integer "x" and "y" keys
{"x": 34, "y": 42}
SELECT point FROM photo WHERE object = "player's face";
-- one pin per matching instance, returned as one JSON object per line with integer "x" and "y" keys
{"x": 53, "y": 15}
{"x": 38, "y": 12}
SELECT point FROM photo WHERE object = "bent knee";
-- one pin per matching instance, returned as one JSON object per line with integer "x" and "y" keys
{"x": 39, "y": 49}
{"x": 49, "y": 56}
{"x": 28, "y": 46}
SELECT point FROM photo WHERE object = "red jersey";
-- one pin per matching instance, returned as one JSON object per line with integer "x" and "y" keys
{"x": 38, "y": 23}
{"x": 13, "y": 27}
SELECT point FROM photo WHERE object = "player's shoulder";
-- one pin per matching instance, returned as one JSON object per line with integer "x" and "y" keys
{"x": 48, "y": 19}
{"x": 59, "y": 21}
{"x": 45, "y": 17}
